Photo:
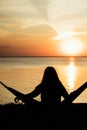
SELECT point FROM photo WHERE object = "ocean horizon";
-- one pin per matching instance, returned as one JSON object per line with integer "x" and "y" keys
{"x": 25, "y": 73}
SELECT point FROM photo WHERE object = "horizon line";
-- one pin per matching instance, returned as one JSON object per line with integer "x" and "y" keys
{"x": 45, "y": 56}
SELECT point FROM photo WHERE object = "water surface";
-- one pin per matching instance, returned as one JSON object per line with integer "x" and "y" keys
{"x": 25, "y": 73}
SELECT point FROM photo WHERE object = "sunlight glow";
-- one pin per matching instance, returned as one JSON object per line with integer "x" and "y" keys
{"x": 64, "y": 34}
{"x": 71, "y": 47}
{"x": 71, "y": 75}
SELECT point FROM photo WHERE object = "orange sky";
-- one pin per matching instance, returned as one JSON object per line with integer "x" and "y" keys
{"x": 43, "y": 28}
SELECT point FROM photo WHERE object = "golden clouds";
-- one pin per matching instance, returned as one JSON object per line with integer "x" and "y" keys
{"x": 36, "y": 22}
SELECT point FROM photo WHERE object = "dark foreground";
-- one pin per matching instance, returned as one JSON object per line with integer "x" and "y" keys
{"x": 19, "y": 116}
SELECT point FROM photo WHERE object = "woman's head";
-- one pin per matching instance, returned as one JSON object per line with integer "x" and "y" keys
{"x": 50, "y": 75}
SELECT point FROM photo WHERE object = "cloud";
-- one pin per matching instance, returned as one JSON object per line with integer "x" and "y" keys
{"x": 41, "y": 7}
{"x": 34, "y": 17}
{"x": 40, "y": 30}
{"x": 17, "y": 8}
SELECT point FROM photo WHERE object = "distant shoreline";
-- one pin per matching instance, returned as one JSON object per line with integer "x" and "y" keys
{"x": 43, "y": 56}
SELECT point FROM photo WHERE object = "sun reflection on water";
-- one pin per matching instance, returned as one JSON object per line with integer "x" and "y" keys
{"x": 71, "y": 75}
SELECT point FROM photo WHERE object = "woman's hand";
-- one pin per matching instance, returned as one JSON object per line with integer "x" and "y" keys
{"x": 16, "y": 100}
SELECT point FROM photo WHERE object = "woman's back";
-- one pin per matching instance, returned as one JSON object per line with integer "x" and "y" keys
{"x": 52, "y": 88}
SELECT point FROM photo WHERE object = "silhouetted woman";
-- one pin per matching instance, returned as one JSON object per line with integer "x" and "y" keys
{"x": 51, "y": 89}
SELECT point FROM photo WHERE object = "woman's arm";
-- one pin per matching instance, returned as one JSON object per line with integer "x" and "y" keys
{"x": 26, "y": 97}
{"x": 35, "y": 92}
{"x": 64, "y": 91}
{"x": 73, "y": 95}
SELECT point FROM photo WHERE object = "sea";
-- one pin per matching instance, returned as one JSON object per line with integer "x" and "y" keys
{"x": 25, "y": 73}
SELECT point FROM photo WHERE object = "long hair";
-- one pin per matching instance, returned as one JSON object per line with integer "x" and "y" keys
{"x": 50, "y": 76}
{"x": 51, "y": 90}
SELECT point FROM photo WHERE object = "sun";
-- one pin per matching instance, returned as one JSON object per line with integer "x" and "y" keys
{"x": 71, "y": 47}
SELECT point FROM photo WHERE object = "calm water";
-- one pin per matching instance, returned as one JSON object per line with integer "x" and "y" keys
{"x": 24, "y": 74}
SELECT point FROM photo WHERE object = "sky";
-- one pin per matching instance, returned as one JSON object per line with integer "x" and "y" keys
{"x": 43, "y": 27}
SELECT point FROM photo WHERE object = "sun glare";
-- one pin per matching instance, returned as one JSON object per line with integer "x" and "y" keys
{"x": 71, "y": 75}
{"x": 64, "y": 34}
{"x": 71, "y": 47}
